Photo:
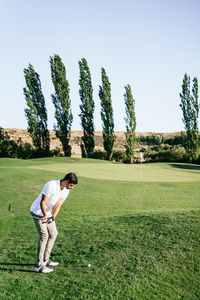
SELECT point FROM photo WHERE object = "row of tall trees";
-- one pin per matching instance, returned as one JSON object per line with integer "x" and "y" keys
{"x": 107, "y": 114}
{"x": 36, "y": 112}
{"x": 190, "y": 109}
{"x": 62, "y": 103}
{"x": 87, "y": 108}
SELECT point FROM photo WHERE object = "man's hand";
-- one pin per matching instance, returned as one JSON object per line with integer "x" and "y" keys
{"x": 48, "y": 220}
{"x": 44, "y": 220}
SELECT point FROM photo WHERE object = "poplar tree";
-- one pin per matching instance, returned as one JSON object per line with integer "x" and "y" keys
{"x": 190, "y": 108}
{"x": 62, "y": 103}
{"x": 107, "y": 114}
{"x": 130, "y": 123}
{"x": 1, "y": 134}
{"x": 87, "y": 109}
{"x": 36, "y": 112}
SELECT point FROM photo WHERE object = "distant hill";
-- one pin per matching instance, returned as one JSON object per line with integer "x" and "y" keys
{"x": 23, "y": 136}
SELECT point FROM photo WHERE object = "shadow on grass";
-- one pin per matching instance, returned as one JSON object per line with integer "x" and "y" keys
{"x": 186, "y": 167}
{"x": 2, "y": 268}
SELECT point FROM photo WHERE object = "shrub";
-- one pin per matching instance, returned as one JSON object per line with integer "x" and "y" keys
{"x": 56, "y": 152}
{"x": 25, "y": 151}
{"x": 8, "y": 148}
{"x": 150, "y": 139}
{"x": 172, "y": 154}
{"x": 119, "y": 155}
{"x": 177, "y": 140}
{"x": 98, "y": 154}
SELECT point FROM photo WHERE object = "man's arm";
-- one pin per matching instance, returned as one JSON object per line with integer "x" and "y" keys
{"x": 57, "y": 207}
{"x": 43, "y": 206}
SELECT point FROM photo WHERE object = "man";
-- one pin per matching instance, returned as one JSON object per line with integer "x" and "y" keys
{"x": 46, "y": 207}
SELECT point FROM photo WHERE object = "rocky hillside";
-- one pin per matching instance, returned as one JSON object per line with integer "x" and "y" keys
{"x": 22, "y": 135}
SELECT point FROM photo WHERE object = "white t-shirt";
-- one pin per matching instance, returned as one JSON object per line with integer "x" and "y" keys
{"x": 52, "y": 190}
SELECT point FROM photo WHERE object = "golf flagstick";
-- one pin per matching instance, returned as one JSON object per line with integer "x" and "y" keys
{"x": 141, "y": 159}
{"x": 18, "y": 213}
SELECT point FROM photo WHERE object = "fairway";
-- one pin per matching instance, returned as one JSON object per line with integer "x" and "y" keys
{"x": 158, "y": 172}
{"x": 137, "y": 225}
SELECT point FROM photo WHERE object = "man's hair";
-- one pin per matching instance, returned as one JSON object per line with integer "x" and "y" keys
{"x": 71, "y": 177}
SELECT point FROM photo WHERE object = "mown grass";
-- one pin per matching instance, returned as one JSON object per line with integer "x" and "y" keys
{"x": 140, "y": 237}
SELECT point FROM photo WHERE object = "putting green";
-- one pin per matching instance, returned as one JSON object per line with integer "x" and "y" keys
{"x": 157, "y": 172}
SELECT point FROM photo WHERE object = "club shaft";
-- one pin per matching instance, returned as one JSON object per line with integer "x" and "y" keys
{"x": 18, "y": 213}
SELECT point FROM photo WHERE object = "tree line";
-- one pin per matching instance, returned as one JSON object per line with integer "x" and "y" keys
{"x": 36, "y": 112}
{"x": 186, "y": 147}
{"x": 179, "y": 148}
{"x": 190, "y": 109}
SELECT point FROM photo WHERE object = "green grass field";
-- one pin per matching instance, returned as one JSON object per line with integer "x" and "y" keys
{"x": 137, "y": 225}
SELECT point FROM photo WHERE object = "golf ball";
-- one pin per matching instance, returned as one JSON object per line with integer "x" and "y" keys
{"x": 89, "y": 265}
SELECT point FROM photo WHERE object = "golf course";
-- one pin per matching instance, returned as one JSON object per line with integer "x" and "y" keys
{"x": 137, "y": 225}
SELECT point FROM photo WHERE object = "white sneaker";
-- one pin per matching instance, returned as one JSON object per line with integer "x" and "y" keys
{"x": 50, "y": 263}
{"x": 43, "y": 269}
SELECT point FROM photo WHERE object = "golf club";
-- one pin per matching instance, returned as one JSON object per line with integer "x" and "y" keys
{"x": 49, "y": 220}
{"x": 18, "y": 213}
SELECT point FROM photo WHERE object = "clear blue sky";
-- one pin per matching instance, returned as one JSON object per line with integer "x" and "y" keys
{"x": 149, "y": 44}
